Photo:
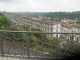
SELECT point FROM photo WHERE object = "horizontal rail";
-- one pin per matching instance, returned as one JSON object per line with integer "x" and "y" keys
{"x": 29, "y": 45}
{"x": 40, "y": 32}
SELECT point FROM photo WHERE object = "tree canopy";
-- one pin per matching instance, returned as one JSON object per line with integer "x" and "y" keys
{"x": 5, "y": 20}
{"x": 1, "y": 14}
{"x": 33, "y": 29}
{"x": 60, "y": 15}
{"x": 78, "y": 22}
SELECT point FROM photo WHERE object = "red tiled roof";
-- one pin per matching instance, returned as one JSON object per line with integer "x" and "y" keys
{"x": 66, "y": 25}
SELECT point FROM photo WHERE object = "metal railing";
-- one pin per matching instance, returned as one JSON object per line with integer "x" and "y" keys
{"x": 30, "y": 44}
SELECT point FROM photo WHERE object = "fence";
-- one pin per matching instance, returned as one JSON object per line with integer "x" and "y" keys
{"x": 35, "y": 45}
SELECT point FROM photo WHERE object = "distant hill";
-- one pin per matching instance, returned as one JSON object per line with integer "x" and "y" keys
{"x": 35, "y": 14}
{"x": 61, "y": 15}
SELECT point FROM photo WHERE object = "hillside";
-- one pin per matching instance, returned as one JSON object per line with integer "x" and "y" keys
{"x": 61, "y": 15}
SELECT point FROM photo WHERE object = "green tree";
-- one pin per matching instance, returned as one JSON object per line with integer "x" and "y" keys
{"x": 73, "y": 22}
{"x": 1, "y": 14}
{"x": 33, "y": 29}
{"x": 79, "y": 18}
{"x": 59, "y": 19}
{"x": 78, "y": 22}
{"x": 5, "y": 20}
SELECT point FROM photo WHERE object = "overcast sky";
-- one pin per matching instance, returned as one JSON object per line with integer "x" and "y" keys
{"x": 39, "y": 5}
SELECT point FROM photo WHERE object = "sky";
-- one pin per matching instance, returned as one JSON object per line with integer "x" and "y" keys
{"x": 39, "y": 5}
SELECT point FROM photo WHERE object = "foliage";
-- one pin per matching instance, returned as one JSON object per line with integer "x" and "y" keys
{"x": 32, "y": 39}
{"x": 20, "y": 28}
{"x": 70, "y": 23}
{"x": 17, "y": 35}
{"x": 13, "y": 28}
{"x": 5, "y": 20}
{"x": 51, "y": 51}
{"x": 33, "y": 29}
{"x": 73, "y": 22}
{"x": 62, "y": 15}
{"x": 79, "y": 18}
{"x": 78, "y": 22}
{"x": 37, "y": 35}
{"x": 39, "y": 48}
{"x": 52, "y": 41}
{"x": 1, "y": 14}
{"x": 35, "y": 14}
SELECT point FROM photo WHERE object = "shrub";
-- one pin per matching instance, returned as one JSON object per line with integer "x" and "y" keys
{"x": 39, "y": 48}
{"x": 17, "y": 35}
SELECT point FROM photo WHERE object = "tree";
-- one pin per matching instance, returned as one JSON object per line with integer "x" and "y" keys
{"x": 73, "y": 22}
{"x": 1, "y": 14}
{"x": 79, "y": 18}
{"x": 33, "y": 29}
{"x": 5, "y": 20}
{"x": 78, "y": 22}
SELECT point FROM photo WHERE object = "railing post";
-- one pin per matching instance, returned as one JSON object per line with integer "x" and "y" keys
{"x": 57, "y": 47}
{"x": 72, "y": 41}
{"x": 28, "y": 53}
{"x": 42, "y": 43}
{"x": 1, "y": 42}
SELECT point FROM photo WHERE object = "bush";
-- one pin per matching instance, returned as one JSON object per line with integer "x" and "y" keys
{"x": 45, "y": 50}
{"x": 33, "y": 29}
{"x": 17, "y": 35}
{"x": 39, "y": 48}
{"x": 32, "y": 40}
{"x": 21, "y": 28}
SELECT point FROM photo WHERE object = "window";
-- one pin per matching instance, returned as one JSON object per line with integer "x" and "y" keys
{"x": 45, "y": 29}
{"x": 57, "y": 26}
{"x": 48, "y": 26}
{"x": 51, "y": 26}
{"x": 51, "y": 30}
{"x": 78, "y": 29}
{"x": 56, "y": 30}
{"x": 48, "y": 30}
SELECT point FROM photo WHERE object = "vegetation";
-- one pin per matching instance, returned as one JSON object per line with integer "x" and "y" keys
{"x": 78, "y": 22}
{"x": 60, "y": 15}
{"x": 38, "y": 41}
{"x": 5, "y": 20}
{"x": 33, "y": 29}
{"x": 5, "y": 23}
{"x": 17, "y": 35}
{"x": 35, "y": 14}
{"x": 73, "y": 22}
{"x": 1, "y": 14}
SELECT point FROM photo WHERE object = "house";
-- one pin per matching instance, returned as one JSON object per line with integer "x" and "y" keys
{"x": 44, "y": 25}
{"x": 66, "y": 28}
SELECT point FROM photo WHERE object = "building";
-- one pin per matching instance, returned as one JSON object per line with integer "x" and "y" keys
{"x": 44, "y": 25}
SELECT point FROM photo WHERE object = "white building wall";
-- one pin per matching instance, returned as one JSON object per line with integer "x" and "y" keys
{"x": 56, "y": 28}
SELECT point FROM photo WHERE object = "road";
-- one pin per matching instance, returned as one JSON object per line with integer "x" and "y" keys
{"x": 18, "y": 50}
